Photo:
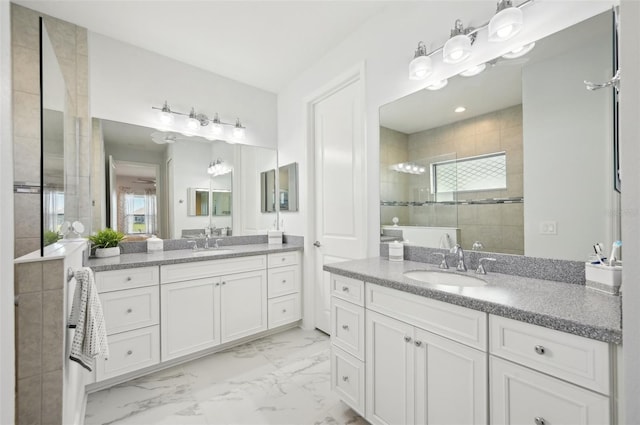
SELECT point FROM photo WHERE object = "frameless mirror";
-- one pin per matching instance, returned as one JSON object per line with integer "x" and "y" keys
{"x": 288, "y": 187}
{"x": 52, "y": 142}
{"x": 198, "y": 202}
{"x": 517, "y": 159}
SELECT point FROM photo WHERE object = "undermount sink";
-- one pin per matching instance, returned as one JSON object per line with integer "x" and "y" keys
{"x": 444, "y": 278}
{"x": 211, "y": 251}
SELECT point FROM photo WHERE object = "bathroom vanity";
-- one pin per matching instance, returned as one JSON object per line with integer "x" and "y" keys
{"x": 513, "y": 350}
{"x": 168, "y": 307}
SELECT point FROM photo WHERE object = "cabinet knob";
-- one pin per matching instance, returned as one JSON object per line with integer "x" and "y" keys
{"x": 407, "y": 339}
{"x": 539, "y": 420}
{"x": 129, "y": 310}
{"x": 283, "y": 259}
{"x": 284, "y": 280}
{"x": 345, "y": 289}
{"x": 129, "y": 353}
{"x": 284, "y": 310}
{"x": 539, "y": 349}
{"x": 418, "y": 343}
{"x": 217, "y": 283}
{"x": 128, "y": 278}
{"x": 224, "y": 283}
{"x": 345, "y": 378}
{"x": 345, "y": 327}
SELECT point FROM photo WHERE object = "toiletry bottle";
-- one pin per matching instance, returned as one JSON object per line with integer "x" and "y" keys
{"x": 396, "y": 251}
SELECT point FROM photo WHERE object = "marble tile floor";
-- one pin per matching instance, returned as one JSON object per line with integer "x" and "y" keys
{"x": 280, "y": 379}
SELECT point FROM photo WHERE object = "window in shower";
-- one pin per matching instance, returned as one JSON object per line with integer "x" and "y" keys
{"x": 484, "y": 172}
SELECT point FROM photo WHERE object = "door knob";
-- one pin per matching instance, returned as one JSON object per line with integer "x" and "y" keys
{"x": 317, "y": 244}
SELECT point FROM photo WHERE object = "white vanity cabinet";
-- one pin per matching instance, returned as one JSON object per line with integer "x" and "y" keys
{"x": 543, "y": 376}
{"x": 130, "y": 302}
{"x": 211, "y": 302}
{"x": 284, "y": 277}
{"x": 414, "y": 376}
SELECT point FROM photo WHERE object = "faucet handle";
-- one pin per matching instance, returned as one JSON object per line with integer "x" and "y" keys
{"x": 481, "y": 269}
{"x": 443, "y": 263}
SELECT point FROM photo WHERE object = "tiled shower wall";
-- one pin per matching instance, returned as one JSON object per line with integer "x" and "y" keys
{"x": 70, "y": 46}
{"x": 500, "y": 227}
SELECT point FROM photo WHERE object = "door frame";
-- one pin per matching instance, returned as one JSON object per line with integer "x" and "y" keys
{"x": 350, "y": 76}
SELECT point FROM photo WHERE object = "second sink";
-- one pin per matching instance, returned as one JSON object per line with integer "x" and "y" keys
{"x": 444, "y": 278}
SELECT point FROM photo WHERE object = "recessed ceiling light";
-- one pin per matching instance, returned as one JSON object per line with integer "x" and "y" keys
{"x": 460, "y": 109}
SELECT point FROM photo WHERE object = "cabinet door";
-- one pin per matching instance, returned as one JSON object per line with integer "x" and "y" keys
{"x": 450, "y": 381}
{"x": 244, "y": 304}
{"x": 190, "y": 316}
{"x": 522, "y": 396}
{"x": 389, "y": 370}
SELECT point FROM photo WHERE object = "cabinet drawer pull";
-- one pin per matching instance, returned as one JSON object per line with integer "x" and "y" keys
{"x": 418, "y": 343}
{"x": 407, "y": 339}
{"x": 345, "y": 327}
{"x": 539, "y": 420}
{"x": 539, "y": 349}
{"x": 345, "y": 289}
{"x": 129, "y": 310}
{"x": 345, "y": 378}
{"x": 129, "y": 353}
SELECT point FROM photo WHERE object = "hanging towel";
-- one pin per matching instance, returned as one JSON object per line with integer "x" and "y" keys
{"x": 90, "y": 336}
{"x": 445, "y": 241}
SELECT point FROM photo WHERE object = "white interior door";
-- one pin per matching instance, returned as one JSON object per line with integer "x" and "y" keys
{"x": 340, "y": 197}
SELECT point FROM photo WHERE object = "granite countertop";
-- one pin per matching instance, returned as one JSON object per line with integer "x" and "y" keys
{"x": 176, "y": 256}
{"x": 566, "y": 307}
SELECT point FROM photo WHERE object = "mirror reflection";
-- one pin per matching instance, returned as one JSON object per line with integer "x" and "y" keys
{"x": 288, "y": 187}
{"x": 198, "y": 202}
{"x": 517, "y": 159}
{"x": 268, "y": 191}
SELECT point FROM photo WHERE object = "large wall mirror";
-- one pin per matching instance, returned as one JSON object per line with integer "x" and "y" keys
{"x": 177, "y": 186}
{"x": 517, "y": 159}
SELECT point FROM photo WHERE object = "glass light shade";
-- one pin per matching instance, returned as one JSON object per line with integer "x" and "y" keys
{"x": 474, "y": 70}
{"x": 166, "y": 118}
{"x": 457, "y": 49}
{"x": 505, "y": 24}
{"x": 217, "y": 129}
{"x": 420, "y": 68}
{"x": 520, "y": 51}
{"x": 192, "y": 124}
{"x": 438, "y": 85}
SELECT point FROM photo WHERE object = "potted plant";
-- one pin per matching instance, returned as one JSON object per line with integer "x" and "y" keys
{"x": 106, "y": 242}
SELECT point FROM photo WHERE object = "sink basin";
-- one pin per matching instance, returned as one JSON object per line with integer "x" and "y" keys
{"x": 211, "y": 252}
{"x": 444, "y": 278}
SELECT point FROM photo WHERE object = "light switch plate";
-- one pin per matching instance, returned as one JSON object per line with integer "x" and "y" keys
{"x": 548, "y": 227}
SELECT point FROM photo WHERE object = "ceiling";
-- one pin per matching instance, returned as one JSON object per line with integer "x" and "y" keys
{"x": 264, "y": 43}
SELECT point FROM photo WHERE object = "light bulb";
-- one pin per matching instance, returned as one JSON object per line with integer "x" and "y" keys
{"x": 506, "y": 23}
{"x": 460, "y": 109}
{"x": 238, "y": 130}
{"x": 422, "y": 169}
{"x": 166, "y": 117}
{"x": 420, "y": 67}
{"x": 415, "y": 168}
{"x": 192, "y": 122}
{"x": 457, "y": 49}
{"x": 520, "y": 51}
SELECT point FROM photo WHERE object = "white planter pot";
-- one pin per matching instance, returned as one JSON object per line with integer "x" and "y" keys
{"x": 107, "y": 252}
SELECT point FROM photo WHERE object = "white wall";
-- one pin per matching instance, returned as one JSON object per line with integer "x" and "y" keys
{"x": 126, "y": 81}
{"x": 568, "y": 165}
{"x": 386, "y": 44}
{"x": 7, "y": 360}
{"x": 630, "y": 158}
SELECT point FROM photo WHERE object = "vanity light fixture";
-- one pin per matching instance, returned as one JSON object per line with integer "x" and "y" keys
{"x": 420, "y": 67}
{"x": 194, "y": 121}
{"x": 475, "y": 70}
{"x": 520, "y": 51}
{"x": 409, "y": 168}
{"x": 438, "y": 85}
{"x": 506, "y": 23}
{"x": 458, "y": 47}
{"x": 218, "y": 168}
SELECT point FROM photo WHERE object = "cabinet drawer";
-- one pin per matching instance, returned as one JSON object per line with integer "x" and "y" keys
{"x": 347, "y": 322}
{"x": 347, "y": 379}
{"x": 130, "y": 351}
{"x": 576, "y": 359}
{"x": 522, "y": 396}
{"x": 283, "y": 281}
{"x": 115, "y": 280}
{"x": 454, "y": 322}
{"x": 203, "y": 269}
{"x": 130, "y": 309}
{"x": 283, "y": 310}
{"x": 283, "y": 259}
{"x": 348, "y": 289}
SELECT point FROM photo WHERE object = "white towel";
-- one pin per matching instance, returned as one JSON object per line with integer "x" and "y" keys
{"x": 445, "y": 241}
{"x": 90, "y": 336}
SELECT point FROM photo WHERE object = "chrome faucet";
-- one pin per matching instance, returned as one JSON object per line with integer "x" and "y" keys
{"x": 457, "y": 249}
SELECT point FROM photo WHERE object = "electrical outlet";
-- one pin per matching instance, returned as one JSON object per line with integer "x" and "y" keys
{"x": 548, "y": 227}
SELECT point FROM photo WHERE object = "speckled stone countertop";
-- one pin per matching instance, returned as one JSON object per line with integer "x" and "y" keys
{"x": 562, "y": 306}
{"x": 143, "y": 259}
